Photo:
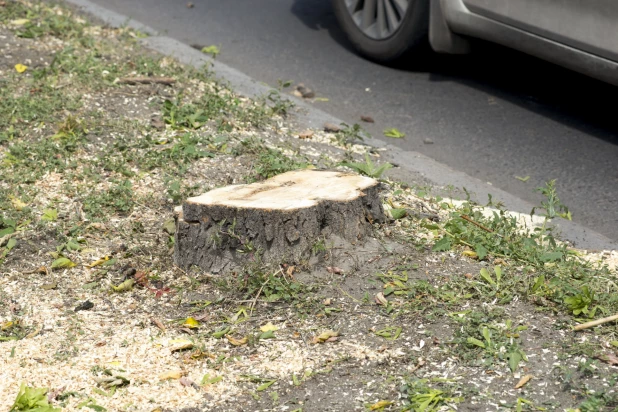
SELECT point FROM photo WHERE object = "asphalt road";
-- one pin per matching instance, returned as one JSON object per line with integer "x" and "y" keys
{"x": 494, "y": 115}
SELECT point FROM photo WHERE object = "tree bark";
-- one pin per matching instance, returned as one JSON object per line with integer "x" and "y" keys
{"x": 275, "y": 221}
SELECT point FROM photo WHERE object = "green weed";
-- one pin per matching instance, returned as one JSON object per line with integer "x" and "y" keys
{"x": 368, "y": 168}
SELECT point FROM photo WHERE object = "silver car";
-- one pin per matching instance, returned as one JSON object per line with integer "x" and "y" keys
{"x": 579, "y": 34}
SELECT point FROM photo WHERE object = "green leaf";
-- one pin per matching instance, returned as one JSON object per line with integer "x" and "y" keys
{"x": 540, "y": 281}
{"x": 49, "y": 215}
{"x": 32, "y": 399}
{"x": 475, "y": 341}
{"x": 270, "y": 334}
{"x": 7, "y": 231}
{"x": 487, "y": 335}
{"x": 480, "y": 250}
{"x": 514, "y": 359}
{"x": 399, "y": 213}
{"x": 62, "y": 263}
{"x": 485, "y": 275}
{"x": 11, "y": 244}
{"x": 442, "y": 245}
{"x": 212, "y": 50}
{"x": 551, "y": 256}
{"x": 498, "y": 272}
{"x": 221, "y": 332}
{"x": 393, "y": 133}
{"x": 265, "y": 385}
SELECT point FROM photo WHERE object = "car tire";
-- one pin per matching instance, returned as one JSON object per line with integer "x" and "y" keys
{"x": 388, "y": 46}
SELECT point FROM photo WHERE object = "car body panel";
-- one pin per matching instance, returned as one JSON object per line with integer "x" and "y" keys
{"x": 460, "y": 20}
{"x": 588, "y": 25}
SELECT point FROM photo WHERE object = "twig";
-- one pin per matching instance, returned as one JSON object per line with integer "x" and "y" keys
{"x": 420, "y": 363}
{"x": 168, "y": 81}
{"x": 466, "y": 217}
{"x": 259, "y": 293}
{"x": 595, "y": 322}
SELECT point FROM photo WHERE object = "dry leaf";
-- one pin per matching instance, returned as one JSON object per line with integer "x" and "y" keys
{"x": 35, "y": 332}
{"x": 326, "y": 302}
{"x": 325, "y": 336}
{"x": 367, "y": 119}
{"x": 170, "y": 375}
{"x": 158, "y": 323}
{"x": 181, "y": 344}
{"x": 237, "y": 342}
{"x": 524, "y": 380}
{"x": 380, "y": 299}
{"x": 335, "y": 270}
{"x": 290, "y": 271}
{"x": 609, "y": 358}
{"x": 20, "y": 68}
{"x": 269, "y": 327}
{"x": 125, "y": 286}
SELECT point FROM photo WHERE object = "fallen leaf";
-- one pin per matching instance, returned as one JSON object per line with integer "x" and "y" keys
{"x": 268, "y": 327}
{"x": 394, "y": 133}
{"x": 523, "y": 179}
{"x": 321, "y": 99}
{"x": 470, "y": 254}
{"x": 19, "y": 22}
{"x": 335, "y": 270}
{"x": 191, "y": 323}
{"x": 380, "y": 299}
{"x": 35, "y": 332}
{"x": 158, "y": 323}
{"x": 62, "y": 263}
{"x": 325, "y": 336}
{"x": 237, "y": 342}
{"x": 181, "y": 344}
{"x": 427, "y": 141}
{"x": 267, "y": 335}
{"x": 265, "y": 385}
{"x": 49, "y": 286}
{"x": 380, "y": 405}
{"x": 367, "y": 119}
{"x": 170, "y": 375}
{"x": 17, "y": 203}
{"x": 221, "y": 332}
{"x": 326, "y": 302}
{"x": 125, "y": 286}
{"x": 99, "y": 261}
{"x": 609, "y": 358}
{"x": 524, "y": 380}
{"x": 290, "y": 271}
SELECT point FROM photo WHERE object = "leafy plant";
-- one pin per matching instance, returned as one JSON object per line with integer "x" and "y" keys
{"x": 368, "y": 168}
{"x": 33, "y": 400}
{"x": 425, "y": 398}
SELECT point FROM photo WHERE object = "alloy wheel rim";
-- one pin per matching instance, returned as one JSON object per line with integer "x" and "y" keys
{"x": 377, "y": 19}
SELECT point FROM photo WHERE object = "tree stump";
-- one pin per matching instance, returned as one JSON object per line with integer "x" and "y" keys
{"x": 275, "y": 221}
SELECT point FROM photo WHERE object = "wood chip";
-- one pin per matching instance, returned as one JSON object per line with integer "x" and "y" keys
{"x": 307, "y": 134}
{"x": 367, "y": 119}
{"x": 331, "y": 128}
{"x": 524, "y": 380}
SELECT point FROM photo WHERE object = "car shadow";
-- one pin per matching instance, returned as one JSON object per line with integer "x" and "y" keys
{"x": 564, "y": 96}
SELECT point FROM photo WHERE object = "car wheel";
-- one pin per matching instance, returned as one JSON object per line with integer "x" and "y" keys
{"x": 384, "y": 30}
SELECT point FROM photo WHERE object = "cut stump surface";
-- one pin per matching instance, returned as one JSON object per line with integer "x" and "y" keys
{"x": 278, "y": 220}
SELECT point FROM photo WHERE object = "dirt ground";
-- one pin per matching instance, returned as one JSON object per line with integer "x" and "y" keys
{"x": 90, "y": 172}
